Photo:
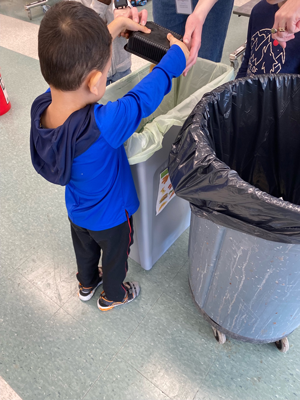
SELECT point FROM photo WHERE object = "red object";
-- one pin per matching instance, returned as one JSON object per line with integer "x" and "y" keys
{"x": 275, "y": 43}
{"x": 4, "y": 102}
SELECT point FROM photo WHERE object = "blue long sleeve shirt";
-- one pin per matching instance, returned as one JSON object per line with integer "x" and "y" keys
{"x": 261, "y": 56}
{"x": 87, "y": 154}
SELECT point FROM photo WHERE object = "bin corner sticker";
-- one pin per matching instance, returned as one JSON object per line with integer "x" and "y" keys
{"x": 165, "y": 191}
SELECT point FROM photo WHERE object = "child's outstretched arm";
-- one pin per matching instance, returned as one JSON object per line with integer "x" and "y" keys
{"x": 117, "y": 121}
{"x": 183, "y": 47}
{"x": 122, "y": 24}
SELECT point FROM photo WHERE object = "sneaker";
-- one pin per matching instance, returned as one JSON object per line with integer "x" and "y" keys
{"x": 85, "y": 293}
{"x": 132, "y": 291}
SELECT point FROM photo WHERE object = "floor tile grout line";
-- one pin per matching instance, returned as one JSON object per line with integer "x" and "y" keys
{"x": 52, "y": 315}
{"x": 59, "y": 306}
{"x": 196, "y": 394}
{"x": 37, "y": 287}
{"x": 22, "y": 261}
{"x": 204, "y": 377}
{"x": 183, "y": 307}
{"x": 72, "y": 316}
{"x": 173, "y": 278}
{"x": 210, "y": 367}
{"x": 119, "y": 351}
{"x": 65, "y": 302}
{"x": 150, "y": 381}
{"x": 206, "y": 374}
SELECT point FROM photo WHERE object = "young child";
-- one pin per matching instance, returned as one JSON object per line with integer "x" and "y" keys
{"x": 76, "y": 142}
{"x": 263, "y": 55}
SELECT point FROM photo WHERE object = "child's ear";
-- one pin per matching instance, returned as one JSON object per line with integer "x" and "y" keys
{"x": 93, "y": 81}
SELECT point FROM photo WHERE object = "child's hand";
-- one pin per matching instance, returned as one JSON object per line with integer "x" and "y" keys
{"x": 183, "y": 47}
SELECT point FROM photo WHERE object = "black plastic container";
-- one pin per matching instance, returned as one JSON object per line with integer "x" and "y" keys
{"x": 150, "y": 46}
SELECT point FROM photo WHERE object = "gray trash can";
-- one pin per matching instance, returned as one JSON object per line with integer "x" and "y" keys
{"x": 162, "y": 217}
{"x": 236, "y": 160}
{"x": 155, "y": 233}
{"x": 245, "y": 286}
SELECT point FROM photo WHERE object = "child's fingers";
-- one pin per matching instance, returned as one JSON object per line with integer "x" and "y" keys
{"x": 124, "y": 34}
{"x": 183, "y": 47}
{"x": 171, "y": 39}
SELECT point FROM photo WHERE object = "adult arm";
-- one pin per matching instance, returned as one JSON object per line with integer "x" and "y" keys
{"x": 132, "y": 13}
{"x": 287, "y": 17}
{"x": 101, "y": 6}
{"x": 104, "y": 9}
{"x": 193, "y": 30}
{"x": 122, "y": 24}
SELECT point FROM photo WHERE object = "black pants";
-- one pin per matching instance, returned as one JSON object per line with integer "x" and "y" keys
{"x": 115, "y": 245}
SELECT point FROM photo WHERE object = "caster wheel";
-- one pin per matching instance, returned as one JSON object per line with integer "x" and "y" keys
{"x": 283, "y": 345}
{"x": 219, "y": 336}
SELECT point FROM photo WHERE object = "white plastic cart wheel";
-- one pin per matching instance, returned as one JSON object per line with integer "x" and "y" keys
{"x": 219, "y": 336}
{"x": 283, "y": 345}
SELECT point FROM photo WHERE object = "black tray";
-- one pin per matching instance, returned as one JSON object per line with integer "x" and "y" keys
{"x": 150, "y": 46}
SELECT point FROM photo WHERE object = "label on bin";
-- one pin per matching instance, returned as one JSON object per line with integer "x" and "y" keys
{"x": 165, "y": 191}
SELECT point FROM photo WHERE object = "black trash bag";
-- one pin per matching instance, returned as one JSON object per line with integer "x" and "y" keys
{"x": 238, "y": 153}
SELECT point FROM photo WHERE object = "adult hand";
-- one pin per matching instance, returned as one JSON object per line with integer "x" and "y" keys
{"x": 124, "y": 24}
{"x": 192, "y": 38}
{"x": 288, "y": 18}
{"x": 132, "y": 13}
{"x": 193, "y": 30}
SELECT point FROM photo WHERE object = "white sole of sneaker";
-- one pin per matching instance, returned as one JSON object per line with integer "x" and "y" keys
{"x": 87, "y": 298}
{"x": 137, "y": 292}
{"x": 111, "y": 307}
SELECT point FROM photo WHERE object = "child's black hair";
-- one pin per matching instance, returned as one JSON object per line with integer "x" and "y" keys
{"x": 73, "y": 40}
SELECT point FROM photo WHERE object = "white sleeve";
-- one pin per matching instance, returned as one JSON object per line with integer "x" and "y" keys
{"x": 104, "y": 11}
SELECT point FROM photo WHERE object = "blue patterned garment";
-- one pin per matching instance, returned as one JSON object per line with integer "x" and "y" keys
{"x": 136, "y": 3}
{"x": 262, "y": 56}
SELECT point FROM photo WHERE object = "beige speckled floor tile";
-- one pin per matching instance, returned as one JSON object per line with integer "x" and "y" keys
{"x": 26, "y": 40}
